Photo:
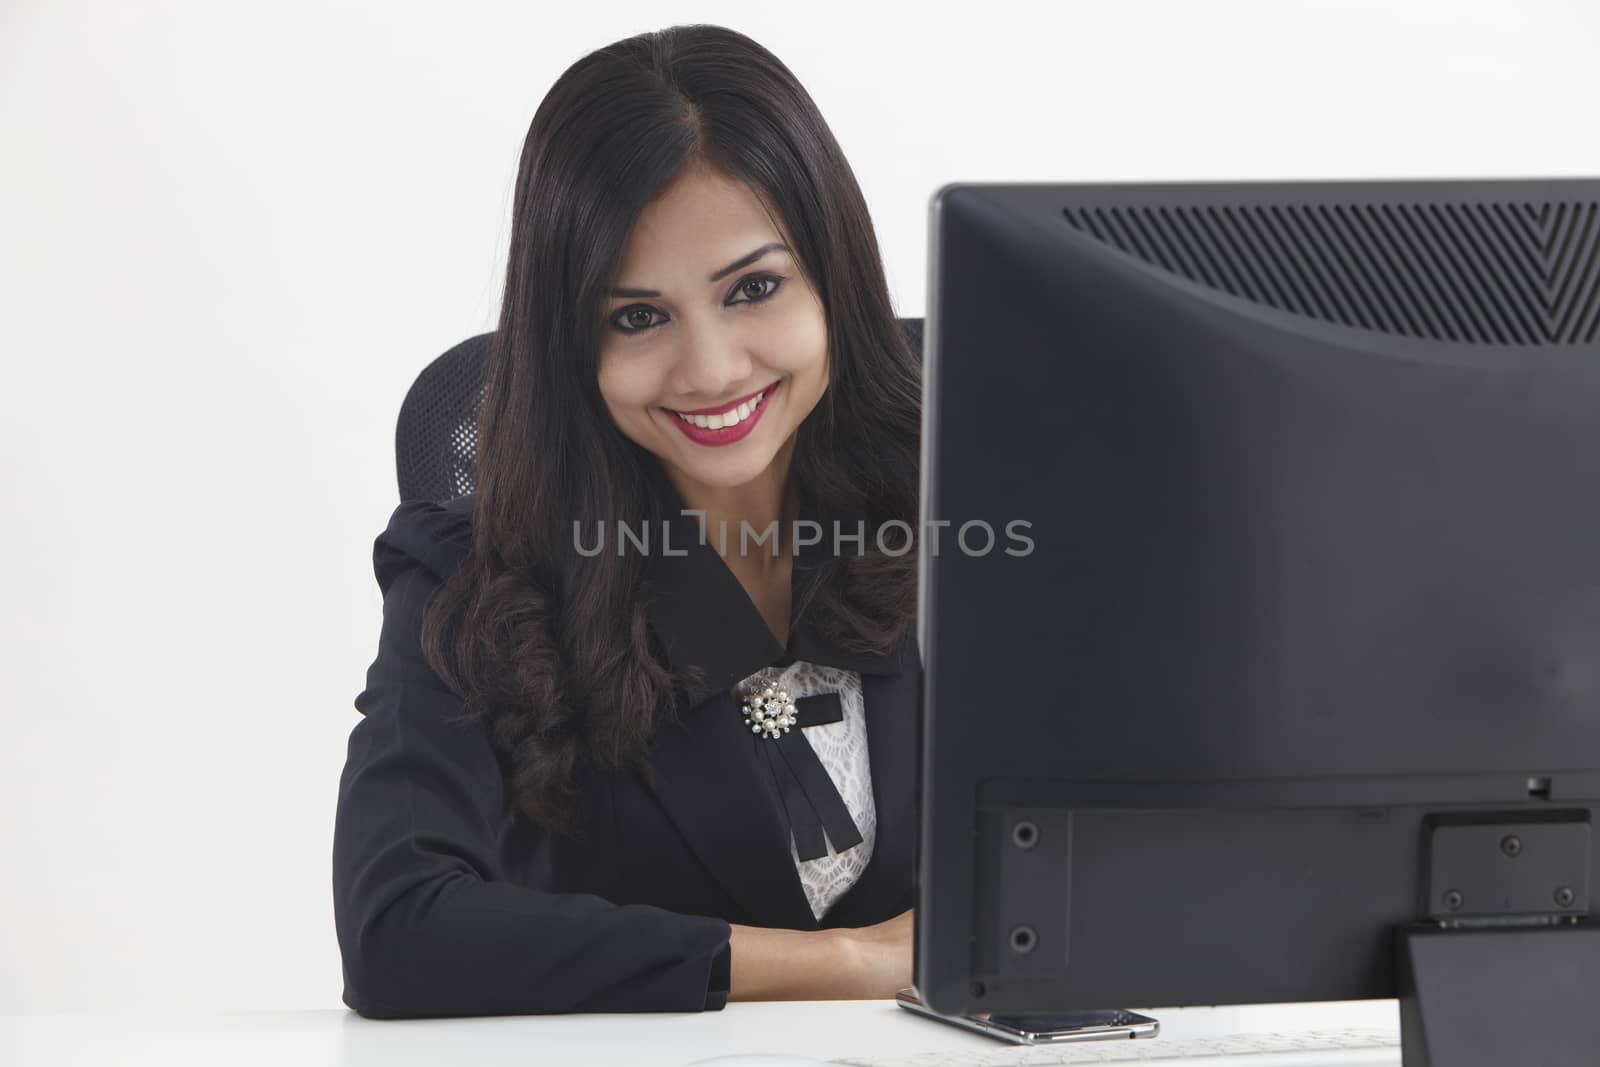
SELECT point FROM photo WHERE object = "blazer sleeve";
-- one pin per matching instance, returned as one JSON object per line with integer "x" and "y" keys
{"x": 427, "y": 923}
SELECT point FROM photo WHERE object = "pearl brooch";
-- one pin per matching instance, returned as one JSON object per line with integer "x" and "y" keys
{"x": 768, "y": 710}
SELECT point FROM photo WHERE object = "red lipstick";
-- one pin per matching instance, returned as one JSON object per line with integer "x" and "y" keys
{"x": 727, "y": 435}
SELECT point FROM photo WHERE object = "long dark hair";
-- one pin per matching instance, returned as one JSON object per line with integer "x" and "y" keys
{"x": 552, "y": 650}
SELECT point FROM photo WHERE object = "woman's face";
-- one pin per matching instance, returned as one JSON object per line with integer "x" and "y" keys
{"x": 694, "y": 325}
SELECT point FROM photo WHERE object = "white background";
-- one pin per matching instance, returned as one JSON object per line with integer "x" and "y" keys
{"x": 231, "y": 234}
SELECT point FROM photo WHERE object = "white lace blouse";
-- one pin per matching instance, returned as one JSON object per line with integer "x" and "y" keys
{"x": 842, "y": 748}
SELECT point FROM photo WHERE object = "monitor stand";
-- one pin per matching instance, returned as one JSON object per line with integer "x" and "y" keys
{"x": 1504, "y": 967}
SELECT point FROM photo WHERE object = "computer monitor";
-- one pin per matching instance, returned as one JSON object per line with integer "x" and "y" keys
{"x": 1260, "y": 604}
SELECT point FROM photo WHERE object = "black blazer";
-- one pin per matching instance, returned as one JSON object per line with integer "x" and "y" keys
{"x": 448, "y": 902}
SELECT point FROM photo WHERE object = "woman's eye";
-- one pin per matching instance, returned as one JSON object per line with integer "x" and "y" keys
{"x": 636, "y": 318}
{"x": 759, "y": 280}
{"x": 632, "y": 315}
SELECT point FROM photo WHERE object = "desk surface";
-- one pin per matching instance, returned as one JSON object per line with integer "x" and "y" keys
{"x": 821, "y": 1029}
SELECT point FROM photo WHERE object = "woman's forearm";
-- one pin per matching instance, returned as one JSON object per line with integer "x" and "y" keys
{"x": 768, "y": 964}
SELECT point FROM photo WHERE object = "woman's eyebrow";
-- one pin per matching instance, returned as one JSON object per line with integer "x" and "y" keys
{"x": 742, "y": 261}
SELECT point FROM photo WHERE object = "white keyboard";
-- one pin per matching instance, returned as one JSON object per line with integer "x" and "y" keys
{"x": 1308, "y": 1048}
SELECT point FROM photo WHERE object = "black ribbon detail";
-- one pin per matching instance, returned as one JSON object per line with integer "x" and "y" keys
{"x": 809, "y": 794}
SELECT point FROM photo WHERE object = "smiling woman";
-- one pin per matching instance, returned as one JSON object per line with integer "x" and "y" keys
{"x": 559, "y": 797}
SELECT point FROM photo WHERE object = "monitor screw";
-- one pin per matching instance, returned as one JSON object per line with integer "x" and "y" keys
{"x": 978, "y": 989}
{"x": 1511, "y": 844}
{"x": 1023, "y": 939}
{"x": 1025, "y": 834}
{"x": 1453, "y": 900}
{"x": 1565, "y": 896}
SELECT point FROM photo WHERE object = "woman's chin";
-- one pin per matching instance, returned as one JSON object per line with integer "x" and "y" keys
{"x": 719, "y": 472}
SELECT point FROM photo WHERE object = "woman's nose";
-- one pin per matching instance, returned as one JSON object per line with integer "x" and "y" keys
{"x": 711, "y": 365}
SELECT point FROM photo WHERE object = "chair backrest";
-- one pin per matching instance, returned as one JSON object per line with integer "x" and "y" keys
{"x": 436, "y": 438}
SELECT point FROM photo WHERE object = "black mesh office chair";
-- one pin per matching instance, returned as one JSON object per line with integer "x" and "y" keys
{"x": 436, "y": 439}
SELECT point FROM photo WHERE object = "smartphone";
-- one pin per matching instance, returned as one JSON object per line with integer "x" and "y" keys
{"x": 1041, "y": 1028}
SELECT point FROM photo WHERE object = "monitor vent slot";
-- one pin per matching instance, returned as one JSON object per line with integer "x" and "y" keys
{"x": 1488, "y": 273}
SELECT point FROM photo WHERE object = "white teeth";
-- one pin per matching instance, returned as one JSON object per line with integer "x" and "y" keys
{"x": 727, "y": 418}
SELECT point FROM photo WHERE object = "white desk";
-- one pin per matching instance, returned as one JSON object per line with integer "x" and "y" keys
{"x": 822, "y": 1029}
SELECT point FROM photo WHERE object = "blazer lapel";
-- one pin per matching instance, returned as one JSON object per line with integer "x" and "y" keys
{"x": 708, "y": 782}
{"x": 708, "y": 775}
{"x": 703, "y": 772}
